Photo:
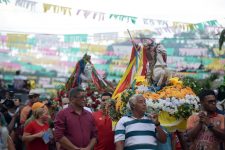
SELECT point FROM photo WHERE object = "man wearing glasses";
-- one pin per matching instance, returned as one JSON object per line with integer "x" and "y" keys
{"x": 74, "y": 126}
{"x": 206, "y": 130}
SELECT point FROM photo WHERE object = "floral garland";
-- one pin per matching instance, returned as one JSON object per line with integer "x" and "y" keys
{"x": 122, "y": 101}
{"x": 180, "y": 108}
{"x": 93, "y": 99}
{"x": 178, "y": 100}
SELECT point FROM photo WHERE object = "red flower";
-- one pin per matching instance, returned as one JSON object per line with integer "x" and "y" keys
{"x": 97, "y": 102}
{"x": 62, "y": 93}
{"x": 56, "y": 99}
{"x": 93, "y": 98}
{"x": 94, "y": 106}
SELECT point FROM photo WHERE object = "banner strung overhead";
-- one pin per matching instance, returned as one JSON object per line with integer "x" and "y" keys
{"x": 123, "y": 17}
{"x": 159, "y": 26}
{"x": 86, "y": 13}
{"x": 17, "y": 41}
{"x": 57, "y": 9}
{"x": 4, "y": 1}
{"x": 75, "y": 38}
{"x": 26, "y": 4}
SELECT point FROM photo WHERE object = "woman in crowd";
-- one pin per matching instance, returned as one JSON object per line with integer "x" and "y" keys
{"x": 36, "y": 135}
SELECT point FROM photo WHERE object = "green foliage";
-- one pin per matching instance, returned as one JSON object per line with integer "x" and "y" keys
{"x": 197, "y": 85}
{"x": 92, "y": 86}
{"x": 184, "y": 111}
{"x": 114, "y": 115}
{"x": 194, "y": 84}
{"x": 127, "y": 94}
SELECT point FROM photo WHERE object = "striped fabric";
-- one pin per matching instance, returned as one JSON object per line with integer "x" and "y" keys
{"x": 137, "y": 66}
{"x": 137, "y": 134}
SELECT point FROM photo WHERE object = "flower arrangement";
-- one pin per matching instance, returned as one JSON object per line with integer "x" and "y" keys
{"x": 93, "y": 100}
{"x": 175, "y": 98}
{"x": 178, "y": 100}
{"x": 113, "y": 113}
{"x": 122, "y": 101}
{"x": 179, "y": 108}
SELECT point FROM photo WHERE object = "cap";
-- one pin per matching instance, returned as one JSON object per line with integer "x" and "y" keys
{"x": 37, "y": 105}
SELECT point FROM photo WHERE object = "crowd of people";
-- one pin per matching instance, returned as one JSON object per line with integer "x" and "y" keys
{"x": 69, "y": 123}
{"x": 38, "y": 125}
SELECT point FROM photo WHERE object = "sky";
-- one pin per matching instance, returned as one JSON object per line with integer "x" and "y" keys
{"x": 17, "y": 19}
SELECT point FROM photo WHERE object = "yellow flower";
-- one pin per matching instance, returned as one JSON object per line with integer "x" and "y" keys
{"x": 140, "y": 78}
{"x": 175, "y": 81}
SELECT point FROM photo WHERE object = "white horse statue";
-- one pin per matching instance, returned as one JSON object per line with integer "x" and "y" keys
{"x": 157, "y": 73}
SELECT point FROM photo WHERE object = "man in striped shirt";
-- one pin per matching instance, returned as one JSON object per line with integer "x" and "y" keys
{"x": 136, "y": 131}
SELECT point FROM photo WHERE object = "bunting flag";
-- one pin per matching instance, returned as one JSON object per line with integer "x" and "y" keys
{"x": 153, "y": 22}
{"x": 26, "y": 4}
{"x": 122, "y": 18}
{"x": 105, "y": 36}
{"x": 5, "y": 1}
{"x": 93, "y": 47}
{"x": 135, "y": 68}
{"x": 17, "y": 41}
{"x": 57, "y": 9}
{"x": 76, "y": 38}
{"x": 87, "y": 13}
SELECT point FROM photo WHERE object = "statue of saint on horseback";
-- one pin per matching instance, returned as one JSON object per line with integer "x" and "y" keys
{"x": 157, "y": 72}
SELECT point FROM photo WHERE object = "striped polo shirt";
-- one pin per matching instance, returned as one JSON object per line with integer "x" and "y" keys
{"x": 137, "y": 134}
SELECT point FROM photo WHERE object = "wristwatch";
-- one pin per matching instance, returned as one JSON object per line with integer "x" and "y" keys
{"x": 157, "y": 124}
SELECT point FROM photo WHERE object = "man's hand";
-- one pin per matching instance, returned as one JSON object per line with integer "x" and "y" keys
{"x": 203, "y": 118}
{"x": 154, "y": 118}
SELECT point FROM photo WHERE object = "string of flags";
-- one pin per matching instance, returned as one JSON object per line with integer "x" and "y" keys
{"x": 123, "y": 17}
{"x": 4, "y": 1}
{"x": 26, "y": 4}
{"x": 160, "y": 25}
{"x": 57, "y": 9}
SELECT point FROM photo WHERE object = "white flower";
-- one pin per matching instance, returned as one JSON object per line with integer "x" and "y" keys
{"x": 167, "y": 99}
{"x": 89, "y": 100}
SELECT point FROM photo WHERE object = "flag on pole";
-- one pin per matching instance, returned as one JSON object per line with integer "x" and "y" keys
{"x": 136, "y": 66}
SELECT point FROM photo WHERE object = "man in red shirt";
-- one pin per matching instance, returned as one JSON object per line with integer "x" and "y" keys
{"x": 104, "y": 126}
